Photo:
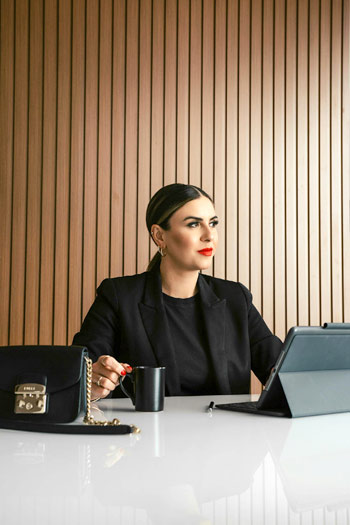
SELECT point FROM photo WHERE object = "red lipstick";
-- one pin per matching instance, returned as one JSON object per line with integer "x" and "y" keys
{"x": 206, "y": 251}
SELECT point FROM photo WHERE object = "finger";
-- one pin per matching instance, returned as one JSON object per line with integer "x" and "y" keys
{"x": 100, "y": 371}
{"x": 127, "y": 367}
{"x": 109, "y": 363}
{"x": 104, "y": 382}
{"x": 109, "y": 367}
{"x": 99, "y": 392}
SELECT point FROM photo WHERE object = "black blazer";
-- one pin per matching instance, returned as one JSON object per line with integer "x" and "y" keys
{"x": 128, "y": 321}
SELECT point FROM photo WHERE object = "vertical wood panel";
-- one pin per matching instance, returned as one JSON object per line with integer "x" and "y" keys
{"x": 208, "y": 19}
{"x": 76, "y": 168}
{"x": 302, "y": 167}
{"x": 157, "y": 124}
{"x": 207, "y": 96}
{"x": 267, "y": 166}
{"x": 34, "y": 172}
{"x": 255, "y": 254}
{"x": 231, "y": 185}
{"x": 144, "y": 175}
{"x": 6, "y": 145}
{"x": 48, "y": 179}
{"x": 336, "y": 176}
{"x": 346, "y": 156}
{"x": 313, "y": 143}
{"x": 325, "y": 162}
{"x": 291, "y": 185}
{"x": 220, "y": 132}
{"x": 195, "y": 92}
{"x": 90, "y": 154}
{"x": 62, "y": 171}
{"x": 279, "y": 169}
{"x": 19, "y": 191}
{"x": 131, "y": 112}
{"x": 104, "y": 141}
{"x": 170, "y": 80}
{"x": 157, "y": 148}
{"x": 255, "y": 154}
{"x": 182, "y": 136}
{"x": 118, "y": 157}
{"x": 244, "y": 144}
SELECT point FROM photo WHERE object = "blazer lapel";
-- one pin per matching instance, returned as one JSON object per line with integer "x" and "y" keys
{"x": 214, "y": 311}
{"x": 156, "y": 325}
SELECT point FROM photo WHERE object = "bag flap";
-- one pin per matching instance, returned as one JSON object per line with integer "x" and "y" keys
{"x": 62, "y": 366}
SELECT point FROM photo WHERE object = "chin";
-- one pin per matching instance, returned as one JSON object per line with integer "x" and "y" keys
{"x": 205, "y": 266}
{"x": 196, "y": 265}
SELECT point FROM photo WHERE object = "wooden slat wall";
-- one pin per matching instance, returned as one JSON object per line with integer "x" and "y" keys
{"x": 103, "y": 102}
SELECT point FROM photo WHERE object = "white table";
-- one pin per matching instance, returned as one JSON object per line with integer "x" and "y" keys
{"x": 186, "y": 467}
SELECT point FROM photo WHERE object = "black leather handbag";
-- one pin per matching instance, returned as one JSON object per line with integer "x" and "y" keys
{"x": 45, "y": 388}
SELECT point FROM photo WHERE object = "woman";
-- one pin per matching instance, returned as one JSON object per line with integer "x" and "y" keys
{"x": 204, "y": 330}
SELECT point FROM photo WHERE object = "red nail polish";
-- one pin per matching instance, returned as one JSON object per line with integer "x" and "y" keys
{"x": 130, "y": 368}
{"x": 123, "y": 373}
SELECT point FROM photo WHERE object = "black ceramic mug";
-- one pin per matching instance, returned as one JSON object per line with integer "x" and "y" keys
{"x": 148, "y": 388}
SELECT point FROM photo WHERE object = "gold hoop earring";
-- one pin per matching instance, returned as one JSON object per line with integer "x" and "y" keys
{"x": 162, "y": 254}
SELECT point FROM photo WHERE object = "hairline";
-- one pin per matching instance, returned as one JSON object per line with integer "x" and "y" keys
{"x": 168, "y": 217}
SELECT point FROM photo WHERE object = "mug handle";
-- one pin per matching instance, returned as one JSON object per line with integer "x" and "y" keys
{"x": 126, "y": 391}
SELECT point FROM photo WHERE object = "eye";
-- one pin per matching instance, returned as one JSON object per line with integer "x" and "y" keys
{"x": 213, "y": 224}
{"x": 192, "y": 224}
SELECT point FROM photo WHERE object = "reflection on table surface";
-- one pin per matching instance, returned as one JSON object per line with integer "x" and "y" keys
{"x": 186, "y": 467}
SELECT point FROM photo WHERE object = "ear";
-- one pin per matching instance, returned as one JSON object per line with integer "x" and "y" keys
{"x": 157, "y": 234}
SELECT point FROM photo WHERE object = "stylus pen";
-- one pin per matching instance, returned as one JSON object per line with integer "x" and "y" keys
{"x": 210, "y": 407}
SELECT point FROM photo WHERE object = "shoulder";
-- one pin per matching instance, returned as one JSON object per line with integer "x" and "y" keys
{"x": 226, "y": 289}
{"x": 127, "y": 283}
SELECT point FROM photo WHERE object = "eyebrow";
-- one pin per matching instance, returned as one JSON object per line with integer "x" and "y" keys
{"x": 199, "y": 218}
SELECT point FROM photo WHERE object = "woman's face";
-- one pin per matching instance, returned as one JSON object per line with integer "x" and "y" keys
{"x": 191, "y": 241}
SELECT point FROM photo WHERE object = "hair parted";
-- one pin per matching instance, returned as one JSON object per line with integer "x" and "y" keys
{"x": 165, "y": 202}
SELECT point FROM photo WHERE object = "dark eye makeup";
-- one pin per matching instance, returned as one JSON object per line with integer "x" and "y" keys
{"x": 194, "y": 224}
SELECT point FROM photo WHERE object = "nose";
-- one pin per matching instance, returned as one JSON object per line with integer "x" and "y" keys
{"x": 208, "y": 234}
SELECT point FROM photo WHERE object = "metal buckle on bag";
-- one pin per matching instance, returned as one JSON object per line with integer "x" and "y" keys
{"x": 30, "y": 398}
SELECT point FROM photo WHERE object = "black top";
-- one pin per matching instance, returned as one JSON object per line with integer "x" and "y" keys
{"x": 128, "y": 321}
{"x": 185, "y": 323}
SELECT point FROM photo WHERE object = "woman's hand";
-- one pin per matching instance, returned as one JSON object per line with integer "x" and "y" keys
{"x": 106, "y": 372}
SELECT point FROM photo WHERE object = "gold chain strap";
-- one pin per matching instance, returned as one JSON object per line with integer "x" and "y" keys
{"x": 89, "y": 418}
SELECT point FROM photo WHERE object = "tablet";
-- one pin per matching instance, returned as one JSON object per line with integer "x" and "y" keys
{"x": 311, "y": 375}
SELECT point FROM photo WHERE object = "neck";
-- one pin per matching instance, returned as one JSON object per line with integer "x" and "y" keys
{"x": 177, "y": 282}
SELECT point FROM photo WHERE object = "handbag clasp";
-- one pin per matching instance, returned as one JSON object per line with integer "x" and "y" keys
{"x": 30, "y": 398}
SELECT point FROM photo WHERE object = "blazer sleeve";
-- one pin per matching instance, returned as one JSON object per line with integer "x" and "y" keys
{"x": 100, "y": 331}
{"x": 264, "y": 346}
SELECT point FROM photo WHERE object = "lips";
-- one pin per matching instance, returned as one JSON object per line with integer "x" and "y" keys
{"x": 207, "y": 252}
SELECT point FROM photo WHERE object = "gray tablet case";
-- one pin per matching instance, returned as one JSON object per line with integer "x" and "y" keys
{"x": 311, "y": 376}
